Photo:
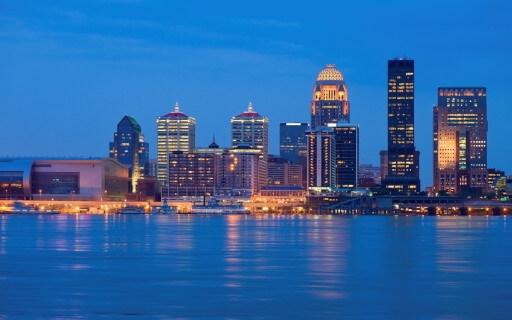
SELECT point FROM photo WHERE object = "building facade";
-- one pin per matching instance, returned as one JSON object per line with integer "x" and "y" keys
{"x": 176, "y": 131}
{"x": 15, "y": 180}
{"x": 250, "y": 129}
{"x": 321, "y": 169}
{"x": 79, "y": 179}
{"x": 496, "y": 180}
{"x": 292, "y": 142}
{"x": 190, "y": 174}
{"x": 240, "y": 172}
{"x": 460, "y": 140}
{"x": 346, "y": 140}
{"x": 282, "y": 172}
{"x": 330, "y": 98}
{"x": 130, "y": 149}
{"x": 383, "y": 157}
{"x": 369, "y": 176}
{"x": 402, "y": 157}
{"x": 64, "y": 179}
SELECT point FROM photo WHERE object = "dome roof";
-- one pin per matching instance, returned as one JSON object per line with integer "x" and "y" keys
{"x": 330, "y": 72}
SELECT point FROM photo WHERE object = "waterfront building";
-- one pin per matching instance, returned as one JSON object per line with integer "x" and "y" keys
{"x": 282, "y": 172}
{"x": 250, "y": 129}
{"x": 402, "y": 157}
{"x": 176, "y": 131}
{"x": 147, "y": 189}
{"x": 190, "y": 174}
{"x": 321, "y": 169}
{"x": 346, "y": 141}
{"x": 130, "y": 149}
{"x": 369, "y": 175}
{"x": 496, "y": 180}
{"x": 89, "y": 179}
{"x": 15, "y": 178}
{"x": 278, "y": 199}
{"x": 330, "y": 98}
{"x": 64, "y": 179}
{"x": 240, "y": 171}
{"x": 460, "y": 140}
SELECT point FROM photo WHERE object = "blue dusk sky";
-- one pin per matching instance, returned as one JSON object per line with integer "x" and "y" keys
{"x": 71, "y": 69}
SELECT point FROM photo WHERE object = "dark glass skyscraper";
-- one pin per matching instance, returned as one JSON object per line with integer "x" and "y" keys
{"x": 130, "y": 149}
{"x": 292, "y": 142}
{"x": 460, "y": 140}
{"x": 403, "y": 159}
{"x": 346, "y": 140}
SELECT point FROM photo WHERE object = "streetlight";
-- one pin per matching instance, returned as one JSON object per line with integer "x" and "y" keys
{"x": 40, "y": 194}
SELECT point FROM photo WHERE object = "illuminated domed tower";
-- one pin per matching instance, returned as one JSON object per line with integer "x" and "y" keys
{"x": 330, "y": 98}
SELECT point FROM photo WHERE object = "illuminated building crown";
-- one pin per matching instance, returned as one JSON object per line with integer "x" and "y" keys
{"x": 330, "y": 72}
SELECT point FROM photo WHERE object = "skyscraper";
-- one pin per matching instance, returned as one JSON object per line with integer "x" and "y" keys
{"x": 346, "y": 140}
{"x": 321, "y": 169}
{"x": 175, "y": 132}
{"x": 292, "y": 142}
{"x": 250, "y": 129}
{"x": 330, "y": 98}
{"x": 403, "y": 159}
{"x": 130, "y": 149}
{"x": 460, "y": 140}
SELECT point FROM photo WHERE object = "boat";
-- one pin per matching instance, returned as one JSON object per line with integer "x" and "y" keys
{"x": 214, "y": 206}
{"x": 164, "y": 209}
{"x": 131, "y": 210}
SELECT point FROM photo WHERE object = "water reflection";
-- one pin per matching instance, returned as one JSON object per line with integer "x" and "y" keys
{"x": 78, "y": 266}
{"x": 327, "y": 250}
{"x": 455, "y": 241}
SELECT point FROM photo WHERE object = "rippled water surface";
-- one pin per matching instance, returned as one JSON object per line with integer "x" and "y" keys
{"x": 241, "y": 267}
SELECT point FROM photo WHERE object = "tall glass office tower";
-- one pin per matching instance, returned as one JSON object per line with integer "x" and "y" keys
{"x": 402, "y": 157}
{"x": 346, "y": 140}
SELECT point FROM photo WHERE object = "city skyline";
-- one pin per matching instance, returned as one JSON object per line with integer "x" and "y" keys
{"x": 255, "y": 159}
{"x": 283, "y": 94}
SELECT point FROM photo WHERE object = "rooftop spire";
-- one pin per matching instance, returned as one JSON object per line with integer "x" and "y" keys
{"x": 249, "y": 107}
{"x": 177, "y": 107}
{"x": 213, "y": 145}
